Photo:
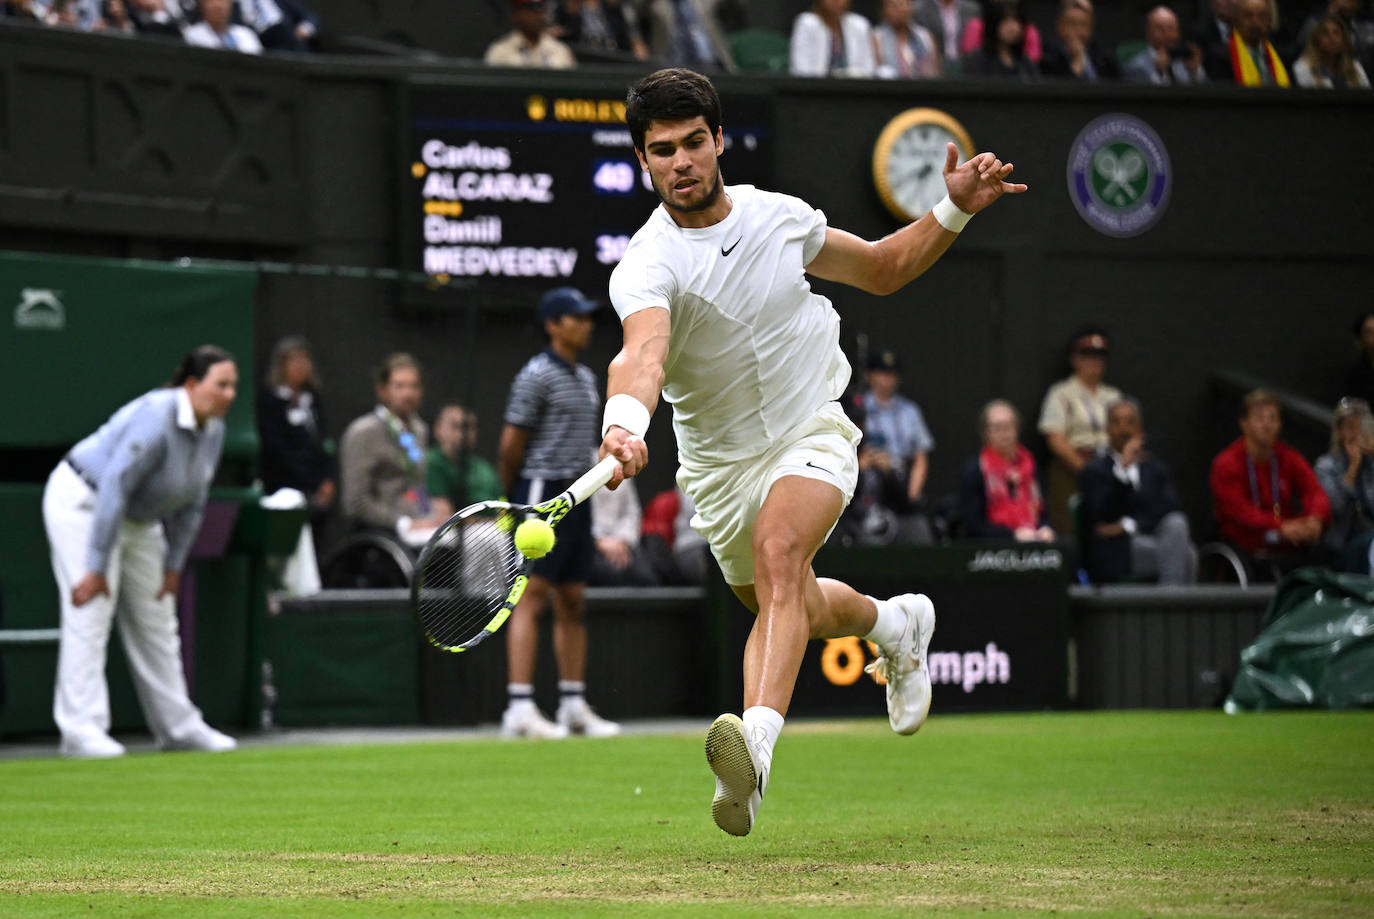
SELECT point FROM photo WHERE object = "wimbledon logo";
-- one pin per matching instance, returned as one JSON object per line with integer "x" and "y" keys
{"x": 1119, "y": 176}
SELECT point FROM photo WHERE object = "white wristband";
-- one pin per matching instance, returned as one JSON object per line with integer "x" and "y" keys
{"x": 948, "y": 215}
{"x": 625, "y": 411}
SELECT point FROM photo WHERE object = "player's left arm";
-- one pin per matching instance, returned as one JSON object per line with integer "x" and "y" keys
{"x": 889, "y": 264}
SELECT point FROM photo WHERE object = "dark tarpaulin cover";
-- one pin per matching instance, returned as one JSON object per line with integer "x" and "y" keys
{"x": 1316, "y": 649}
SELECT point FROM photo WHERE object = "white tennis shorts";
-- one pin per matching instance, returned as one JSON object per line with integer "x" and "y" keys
{"x": 728, "y": 496}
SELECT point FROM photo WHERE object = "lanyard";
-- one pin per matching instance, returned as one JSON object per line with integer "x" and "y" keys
{"x": 1254, "y": 483}
{"x": 403, "y": 435}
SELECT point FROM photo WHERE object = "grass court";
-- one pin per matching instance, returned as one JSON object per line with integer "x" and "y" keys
{"x": 1089, "y": 814}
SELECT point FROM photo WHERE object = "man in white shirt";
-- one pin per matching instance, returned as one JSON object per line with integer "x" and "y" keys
{"x": 529, "y": 44}
{"x": 719, "y": 318}
{"x": 216, "y": 31}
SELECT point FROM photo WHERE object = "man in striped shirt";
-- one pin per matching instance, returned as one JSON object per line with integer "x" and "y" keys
{"x": 552, "y": 430}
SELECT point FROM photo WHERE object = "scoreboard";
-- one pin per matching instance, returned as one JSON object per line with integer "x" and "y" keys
{"x": 537, "y": 185}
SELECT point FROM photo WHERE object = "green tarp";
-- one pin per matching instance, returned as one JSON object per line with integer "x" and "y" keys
{"x": 1316, "y": 649}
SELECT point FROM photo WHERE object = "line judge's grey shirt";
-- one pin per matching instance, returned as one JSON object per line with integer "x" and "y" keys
{"x": 150, "y": 462}
{"x": 561, "y": 406}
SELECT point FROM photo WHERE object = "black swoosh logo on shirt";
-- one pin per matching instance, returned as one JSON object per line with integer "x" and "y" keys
{"x": 821, "y": 468}
{"x": 725, "y": 251}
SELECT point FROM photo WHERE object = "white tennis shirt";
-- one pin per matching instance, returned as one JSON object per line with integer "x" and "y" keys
{"x": 754, "y": 351}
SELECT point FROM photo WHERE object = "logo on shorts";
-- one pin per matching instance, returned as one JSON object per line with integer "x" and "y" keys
{"x": 1119, "y": 175}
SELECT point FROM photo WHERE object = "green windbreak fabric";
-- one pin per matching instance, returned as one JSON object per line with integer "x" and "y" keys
{"x": 1316, "y": 649}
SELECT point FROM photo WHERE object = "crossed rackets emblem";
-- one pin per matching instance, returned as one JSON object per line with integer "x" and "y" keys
{"x": 1120, "y": 172}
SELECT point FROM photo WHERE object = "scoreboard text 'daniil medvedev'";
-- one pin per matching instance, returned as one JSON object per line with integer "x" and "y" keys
{"x": 539, "y": 186}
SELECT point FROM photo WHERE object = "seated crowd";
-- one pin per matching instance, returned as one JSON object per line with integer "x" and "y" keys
{"x": 1108, "y": 494}
{"x": 1308, "y": 43}
{"x": 1321, "y": 44}
{"x": 246, "y": 26}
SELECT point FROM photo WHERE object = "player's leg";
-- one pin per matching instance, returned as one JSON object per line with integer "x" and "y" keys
{"x": 791, "y": 525}
{"x": 522, "y": 717}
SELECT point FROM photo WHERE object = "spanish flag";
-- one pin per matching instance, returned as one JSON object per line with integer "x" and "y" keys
{"x": 1244, "y": 67}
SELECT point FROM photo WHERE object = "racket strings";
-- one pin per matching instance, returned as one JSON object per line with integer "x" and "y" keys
{"x": 467, "y": 575}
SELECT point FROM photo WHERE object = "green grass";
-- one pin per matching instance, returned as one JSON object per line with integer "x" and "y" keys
{"x": 1103, "y": 814}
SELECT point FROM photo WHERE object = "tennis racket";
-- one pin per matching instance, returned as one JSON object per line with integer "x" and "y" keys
{"x": 470, "y": 576}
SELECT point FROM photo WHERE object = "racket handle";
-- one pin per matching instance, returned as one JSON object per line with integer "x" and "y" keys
{"x": 593, "y": 479}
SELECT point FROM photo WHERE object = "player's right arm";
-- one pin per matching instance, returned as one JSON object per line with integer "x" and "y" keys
{"x": 637, "y": 373}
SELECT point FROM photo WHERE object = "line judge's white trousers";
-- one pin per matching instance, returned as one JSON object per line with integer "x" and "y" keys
{"x": 147, "y": 625}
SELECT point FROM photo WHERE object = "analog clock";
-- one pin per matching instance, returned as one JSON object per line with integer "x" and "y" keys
{"x": 909, "y": 160}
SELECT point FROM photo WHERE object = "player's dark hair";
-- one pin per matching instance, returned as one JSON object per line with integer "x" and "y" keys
{"x": 672, "y": 94}
{"x": 198, "y": 362}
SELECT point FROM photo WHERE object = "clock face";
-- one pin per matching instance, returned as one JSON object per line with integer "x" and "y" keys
{"x": 909, "y": 160}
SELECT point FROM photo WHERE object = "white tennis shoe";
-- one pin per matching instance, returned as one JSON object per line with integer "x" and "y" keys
{"x": 740, "y": 778}
{"x": 529, "y": 722}
{"x": 904, "y": 667}
{"x": 204, "y": 739}
{"x": 579, "y": 718}
{"x": 91, "y": 745}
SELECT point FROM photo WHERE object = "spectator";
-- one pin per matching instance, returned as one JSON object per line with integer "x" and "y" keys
{"x": 1073, "y": 418}
{"x": 999, "y": 496}
{"x": 679, "y": 552}
{"x": 902, "y": 47}
{"x": 153, "y": 17}
{"x": 1346, "y": 474}
{"x": 946, "y": 20}
{"x": 1003, "y": 52}
{"x": 529, "y": 44}
{"x": 686, "y": 33}
{"x": 1074, "y": 53}
{"x": 296, "y": 451}
{"x": 894, "y": 456}
{"x": 1328, "y": 59}
{"x": 1163, "y": 61}
{"x": 72, "y": 14}
{"x": 121, "y": 511}
{"x": 216, "y": 31}
{"x": 829, "y": 40}
{"x": 383, "y": 461}
{"x": 1136, "y": 522}
{"x": 550, "y": 436}
{"x": 1359, "y": 28}
{"x": 617, "y": 521}
{"x": 1254, "y": 62}
{"x": 975, "y": 36}
{"x": 455, "y": 474}
{"x": 1359, "y": 379}
{"x": 604, "y": 25}
{"x": 1267, "y": 500}
{"x": 114, "y": 18}
{"x": 19, "y": 9}
{"x": 1213, "y": 36}
{"x": 281, "y": 25}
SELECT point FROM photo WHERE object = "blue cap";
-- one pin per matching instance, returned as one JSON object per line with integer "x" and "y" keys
{"x": 564, "y": 301}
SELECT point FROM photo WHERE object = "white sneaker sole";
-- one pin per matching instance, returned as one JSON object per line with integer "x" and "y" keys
{"x": 737, "y": 779}
{"x": 925, "y": 625}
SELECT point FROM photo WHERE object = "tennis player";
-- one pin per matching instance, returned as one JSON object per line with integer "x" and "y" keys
{"x": 719, "y": 318}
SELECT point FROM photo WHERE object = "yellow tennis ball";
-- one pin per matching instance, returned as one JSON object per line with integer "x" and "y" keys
{"x": 534, "y": 538}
